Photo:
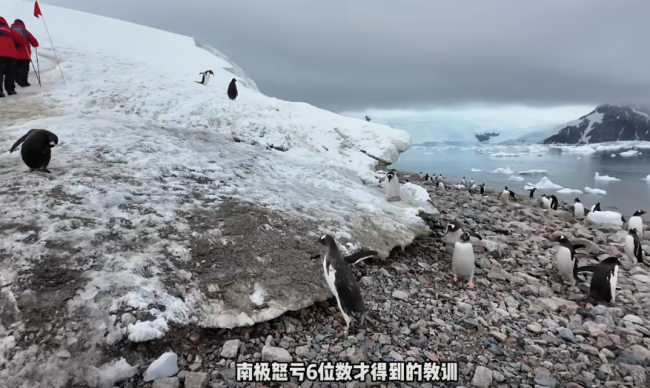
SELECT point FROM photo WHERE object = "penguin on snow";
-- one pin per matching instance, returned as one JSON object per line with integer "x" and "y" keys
{"x": 578, "y": 209}
{"x": 452, "y": 234}
{"x": 392, "y": 186}
{"x": 554, "y": 202}
{"x": 546, "y": 202}
{"x": 633, "y": 248}
{"x": 341, "y": 281}
{"x": 506, "y": 196}
{"x": 206, "y": 77}
{"x": 604, "y": 281}
{"x": 532, "y": 192}
{"x": 463, "y": 260}
{"x": 36, "y": 150}
{"x": 567, "y": 264}
{"x": 232, "y": 89}
{"x": 636, "y": 222}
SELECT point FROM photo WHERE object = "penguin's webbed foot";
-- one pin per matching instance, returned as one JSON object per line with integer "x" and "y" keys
{"x": 46, "y": 170}
{"x": 455, "y": 279}
{"x": 572, "y": 288}
{"x": 471, "y": 284}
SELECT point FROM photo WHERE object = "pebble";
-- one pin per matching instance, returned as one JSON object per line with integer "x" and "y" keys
{"x": 272, "y": 353}
{"x": 166, "y": 382}
{"x": 196, "y": 380}
{"x": 482, "y": 377}
{"x": 401, "y": 295}
{"x": 230, "y": 348}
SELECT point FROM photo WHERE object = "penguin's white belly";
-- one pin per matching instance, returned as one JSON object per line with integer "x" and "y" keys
{"x": 441, "y": 185}
{"x": 612, "y": 283}
{"x": 462, "y": 261}
{"x": 636, "y": 222}
{"x": 505, "y": 196}
{"x": 207, "y": 78}
{"x": 392, "y": 188}
{"x": 546, "y": 203}
{"x": 453, "y": 237}
{"x": 629, "y": 248}
{"x": 578, "y": 210}
{"x": 330, "y": 277}
{"x": 564, "y": 262}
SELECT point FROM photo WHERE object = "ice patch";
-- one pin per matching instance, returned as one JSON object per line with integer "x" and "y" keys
{"x": 605, "y": 217}
{"x": 258, "y": 295}
{"x": 594, "y": 118}
{"x": 569, "y": 191}
{"x": 599, "y": 177}
{"x": 116, "y": 371}
{"x": 629, "y": 153}
{"x": 544, "y": 184}
{"x": 647, "y": 178}
{"x": 515, "y": 178}
{"x": 147, "y": 330}
{"x": 532, "y": 172}
{"x": 502, "y": 170}
{"x": 475, "y": 170}
{"x": 165, "y": 366}
{"x": 504, "y": 155}
{"x": 585, "y": 149}
{"x": 418, "y": 192}
{"x": 589, "y": 190}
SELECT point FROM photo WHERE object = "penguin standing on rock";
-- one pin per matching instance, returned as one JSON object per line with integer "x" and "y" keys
{"x": 633, "y": 248}
{"x": 232, "y": 89}
{"x": 506, "y": 196}
{"x": 441, "y": 186}
{"x": 439, "y": 178}
{"x": 36, "y": 149}
{"x": 636, "y": 222}
{"x": 471, "y": 181}
{"x": 452, "y": 234}
{"x": 421, "y": 176}
{"x": 463, "y": 260}
{"x": 532, "y": 192}
{"x": 603, "y": 283}
{"x": 341, "y": 281}
{"x": 554, "y": 202}
{"x": 206, "y": 77}
{"x": 392, "y": 186}
{"x": 482, "y": 189}
{"x": 567, "y": 264}
{"x": 463, "y": 182}
{"x": 578, "y": 209}
{"x": 546, "y": 202}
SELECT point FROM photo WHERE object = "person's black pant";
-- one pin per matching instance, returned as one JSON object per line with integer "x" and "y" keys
{"x": 8, "y": 72}
{"x": 22, "y": 71}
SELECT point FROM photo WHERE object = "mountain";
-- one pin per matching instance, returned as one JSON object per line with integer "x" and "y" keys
{"x": 168, "y": 204}
{"x": 604, "y": 124}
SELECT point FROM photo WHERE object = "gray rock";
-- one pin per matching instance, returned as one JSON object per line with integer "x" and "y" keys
{"x": 128, "y": 319}
{"x": 230, "y": 348}
{"x": 469, "y": 323}
{"x": 272, "y": 353}
{"x": 166, "y": 382}
{"x": 367, "y": 281}
{"x": 196, "y": 380}
{"x": 482, "y": 377}
{"x": 545, "y": 380}
{"x": 401, "y": 295}
{"x": 589, "y": 349}
{"x": 535, "y": 328}
{"x": 641, "y": 278}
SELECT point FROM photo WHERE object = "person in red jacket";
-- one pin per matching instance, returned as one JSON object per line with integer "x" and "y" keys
{"x": 24, "y": 53}
{"x": 9, "y": 39}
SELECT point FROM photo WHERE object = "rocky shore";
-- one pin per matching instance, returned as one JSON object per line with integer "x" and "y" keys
{"x": 520, "y": 327}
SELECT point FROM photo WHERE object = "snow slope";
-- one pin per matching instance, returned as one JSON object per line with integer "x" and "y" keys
{"x": 168, "y": 200}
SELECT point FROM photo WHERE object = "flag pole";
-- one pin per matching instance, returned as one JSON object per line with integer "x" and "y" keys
{"x": 37, "y": 13}
{"x": 37, "y": 73}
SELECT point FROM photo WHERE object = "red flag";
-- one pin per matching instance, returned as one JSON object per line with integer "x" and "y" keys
{"x": 37, "y": 10}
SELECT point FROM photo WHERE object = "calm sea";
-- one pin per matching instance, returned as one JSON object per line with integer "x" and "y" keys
{"x": 569, "y": 170}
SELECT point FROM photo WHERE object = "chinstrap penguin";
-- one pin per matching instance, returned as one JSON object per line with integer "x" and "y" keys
{"x": 341, "y": 281}
{"x": 463, "y": 259}
{"x": 633, "y": 248}
{"x": 452, "y": 234}
{"x": 567, "y": 264}
{"x": 604, "y": 281}
{"x": 36, "y": 149}
{"x": 232, "y": 89}
{"x": 392, "y": 186}
{"x": 578, "y": 209}
{"x": 206, "y": 77}
{"x": 532, "y": 192}
{"x": 636, "y": 222}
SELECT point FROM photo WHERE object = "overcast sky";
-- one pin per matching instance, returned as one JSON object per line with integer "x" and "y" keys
{"x": 386, "y": 54}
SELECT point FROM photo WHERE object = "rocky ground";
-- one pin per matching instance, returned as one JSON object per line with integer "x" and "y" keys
{"x": 520, "y": 327}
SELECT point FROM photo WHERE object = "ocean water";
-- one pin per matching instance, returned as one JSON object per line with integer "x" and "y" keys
{"x": 567, "y": 169}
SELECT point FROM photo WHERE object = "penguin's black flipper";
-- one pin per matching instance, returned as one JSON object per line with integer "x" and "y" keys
{"x": 586, "y": 268}
{"x": 198, "y": 82}
{"x": 20, "y": 141}
{"x": 359, "y": 256}
{"x": 474, "y": 235}
{"x": 578, "y": 246}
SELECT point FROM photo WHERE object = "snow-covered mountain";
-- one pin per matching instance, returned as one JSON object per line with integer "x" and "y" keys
{"x": 606, "y": 123}
{"x": 168, "y": 202}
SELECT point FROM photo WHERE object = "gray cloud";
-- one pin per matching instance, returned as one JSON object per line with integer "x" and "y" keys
{"x": 352, "y": 55}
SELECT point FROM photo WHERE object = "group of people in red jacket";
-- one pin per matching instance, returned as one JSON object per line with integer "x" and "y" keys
{"x": 15, "y": 55}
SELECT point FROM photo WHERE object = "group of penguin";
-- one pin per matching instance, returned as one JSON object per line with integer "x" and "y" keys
{"x": 36, "y": 151}
{"x": 343, "y": 285}
{"x": 438, "y": 181}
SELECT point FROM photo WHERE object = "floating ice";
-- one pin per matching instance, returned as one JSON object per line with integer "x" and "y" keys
{"x": 506, "y": 170}
{"x": 515, "y": 178}
{"x": 648, "y": 178}
{"x": 589, "y": 190}
{"x": 568, "y": 191}
{"x": 599, "y": 177}
{"x": 629, "y": 153}
{"x": 544, "y": 184}
{"x": 504, "y": 155}
{"x": 475, "y": 170}
{"x": 578, "y": 149}
{"x": 532, "y": 172}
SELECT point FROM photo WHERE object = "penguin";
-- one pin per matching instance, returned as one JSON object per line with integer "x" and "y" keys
{"x": 441, "y": 186}
{"x": 421, "y": 176}
{"x": 463, "y": 182}
{"x": 578, "y": 209}
{"x": 232, "y": 89}
{"x": 596, "y": 208}
{"x": 426, "y": 178}
{"x": 471, "y": 181}
{"x": 452, "y": 234}
{"x": 546, "y": 202}
{"x": 603, "y": 283}
{"x": 633, "y": 248}
{"x": 554, "y": 202}
{"x": 392, "y": 186}
{"x": 36, "y": 150}
{"x": 206, "y": 77}
{"x": 462, "y": 260}
{"x": 513, "y": 196}
{"x": 532, "y": 192}
{"x": 439, "y": 178}
{"x": 341, "y": 281}
{"x": 482, "y": 189}
{"x": 360, "y": 256}
{"x": 472, "y": 188}
{"x": 636, "y": 222}
{"x": 506, "y": 196}
{"x": 567, "y": 264}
